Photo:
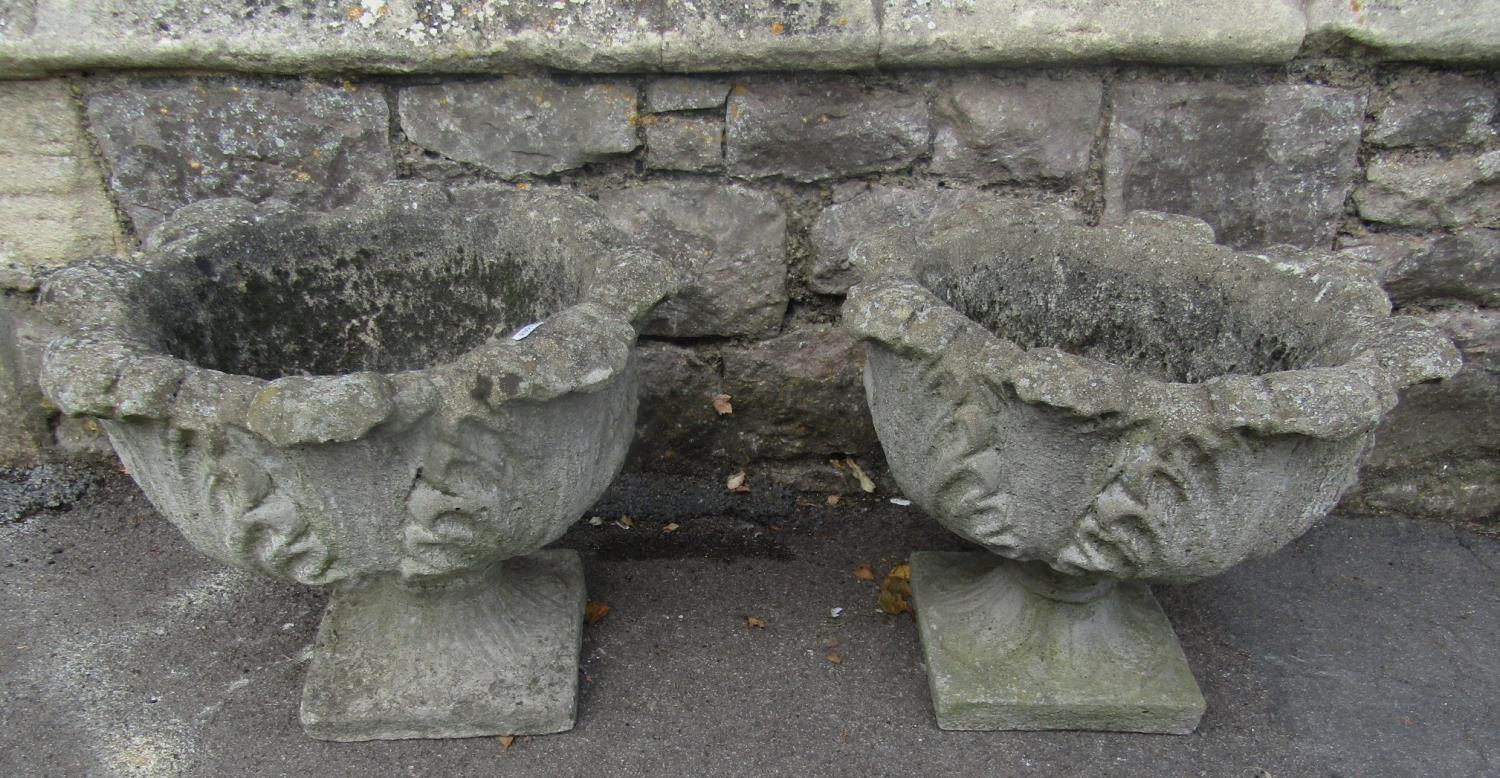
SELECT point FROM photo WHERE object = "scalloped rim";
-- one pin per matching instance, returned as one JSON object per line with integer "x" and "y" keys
{"x": 105, "y": 368}
{"x": 1389, "y": 353}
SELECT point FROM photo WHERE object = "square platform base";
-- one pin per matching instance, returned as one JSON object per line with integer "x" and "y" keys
{"x": 1001, "y": 657}
{"x": 494, "y": 657}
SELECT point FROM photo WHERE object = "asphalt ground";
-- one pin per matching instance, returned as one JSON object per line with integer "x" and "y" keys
{"x": 1369, "y": 647}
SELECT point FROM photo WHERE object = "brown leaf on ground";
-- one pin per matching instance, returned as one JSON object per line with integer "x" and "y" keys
{"x": 895, "y": 590}
{"x": 864, "y": 573}
{"x": 506, "y": 741}
{"x": 670, "y": 527}
{"x": 625, "y": 521}
{"x": 595, "y": 610}
{"x": 755, "y": 622}
{"x": 836, "y": 463}
{"x": 832, "y": 500}
{"x": 864, "y": 481}
{"x": 722, "y": 405}
{"x": 834, "y": 658}
{"x": 736, "y": 483}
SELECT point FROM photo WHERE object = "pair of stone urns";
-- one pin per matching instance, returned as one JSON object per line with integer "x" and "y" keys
{"x": 358, "y": 399}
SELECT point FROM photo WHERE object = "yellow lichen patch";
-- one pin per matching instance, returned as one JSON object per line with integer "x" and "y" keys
{"x": 777, "y": 28}
{"x": 353, "y": 12}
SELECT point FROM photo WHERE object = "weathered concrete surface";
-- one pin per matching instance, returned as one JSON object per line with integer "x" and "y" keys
{"x": 1360, "y": 649}
{"x": 521, "y": 124}
{"x": 771, "y": 35}
{"x": 1429, "y": 30}
{"x": 1263, "y": 165}
{"x": 23, "y": 420}
{"x": 923, "y": 33}
{"x": 53, "y": 206}
{"x": 170, "y": 142}
{"x": 995, "y": 128}
{"x": 822, "y": 127}
{"x": 1424, "y": 107}
{"x": 1436, "y": 454}
{"x": 1421, "y": 190}
{"x": 690, "y": 143}
{"x": 730, "y": 240}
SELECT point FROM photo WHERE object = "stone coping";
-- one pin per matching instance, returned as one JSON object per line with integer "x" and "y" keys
{"x": 477, "y": 36}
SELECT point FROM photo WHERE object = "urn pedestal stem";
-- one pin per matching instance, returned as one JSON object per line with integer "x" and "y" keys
{"x": 1009, "y": 646}
{"x": 495, "y": 653}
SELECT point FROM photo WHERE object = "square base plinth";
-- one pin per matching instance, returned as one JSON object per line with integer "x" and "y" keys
{"x": 496, "y": 655}
{"x": 1002, "y": 657}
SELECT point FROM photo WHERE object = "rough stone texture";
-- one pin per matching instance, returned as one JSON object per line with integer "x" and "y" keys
{"x": 170, "y": 142}
{"x": 23, "y": 421}
{"x": 730, "y": 240}
{"x": 1437, "y": 453}
{"x": 884, "y": 218}
{"x": 678, "y": 428}
{"x": 1263, "y": 165}
{"x": 1431, "y": 30}
{"x": 928, "y": 32}
{"x": 384, "y": 36}
{"x": 1002, "y": 656}
{"x": 1419, "y": 269}
{"x": 1413, "y": 190}
{"x": 685, "y": 94}
{"x": 53, "y": 206}
{"x": 692, "y": 143}
{"x": 520, "y": 125}
{"x": 997, "y": 128}
{"x": 797, "y": 396}
{"x": 503, "y": 665}
{"x": 771, "y": 35}
{"x": 1417, "y": 108}
{"x": 290, "y": 427}
{"x": 1166, "y": 379}
{"x": 822, "y": 127}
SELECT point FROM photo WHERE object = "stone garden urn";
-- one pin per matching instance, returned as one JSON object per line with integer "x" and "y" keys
{"x": 402, "y": 400}
{"x": 1101, "y": 407}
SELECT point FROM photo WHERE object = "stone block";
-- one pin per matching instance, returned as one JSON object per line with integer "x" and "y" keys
{"x": 1263, "y": 165}
{"x": 1416, "y": 190}
{"x": 796, "y": 396}
{"x": 677, "y": 426}
{"x": 875, "y": 218}
{"x": 693, "y": 143}
{"x": 1430, "y": 30}
{"x": 1423, "y": 269}
{"x": 685, "y": 94}
{"x": 771, "y": 35}
{"x": 1007, "y": 32}
{"x": 996, "y": 128}
{"x": 23, "y": 420}
{"x": 1436, "y": 454}
{"x": 1432, "y": 108}
{"x": 522, "y": 125}
{"x": 53, "y": 205}
{"x": 170, "y": 142}
{"x": 732, "y": 241}
{"x": 821, "y": 127}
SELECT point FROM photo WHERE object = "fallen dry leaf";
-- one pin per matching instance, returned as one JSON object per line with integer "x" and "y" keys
{"x": 895, "y": 590}
{"x": 670, "y": 527}
{"x": 864, "y": 481}
{"x": 736, "y": 483}
{"x": 595, "y": 610}
{"x": 722, "y": 404}
{"x": 755, "y": 622}
{"x": 625, "y": 522}
{"x": 834, "y": 658}
{"x": 836, "y": 463}
{"x": 864, "y": 573}
{"x": 506, "y": 741}
{"x": 596, "y": 521}
{"x": 831, "y": 500}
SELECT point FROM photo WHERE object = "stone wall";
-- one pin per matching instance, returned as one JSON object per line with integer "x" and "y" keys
{"x": 1272, "y": 122}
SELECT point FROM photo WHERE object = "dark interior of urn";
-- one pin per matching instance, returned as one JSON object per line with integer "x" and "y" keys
{"x": 1174, "y": 326}
{"x": 403, "y": 292}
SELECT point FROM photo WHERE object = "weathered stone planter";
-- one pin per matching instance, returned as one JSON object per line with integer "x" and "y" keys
{"x": 1106, "y": 406}
{"x": 344, "y": 399}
